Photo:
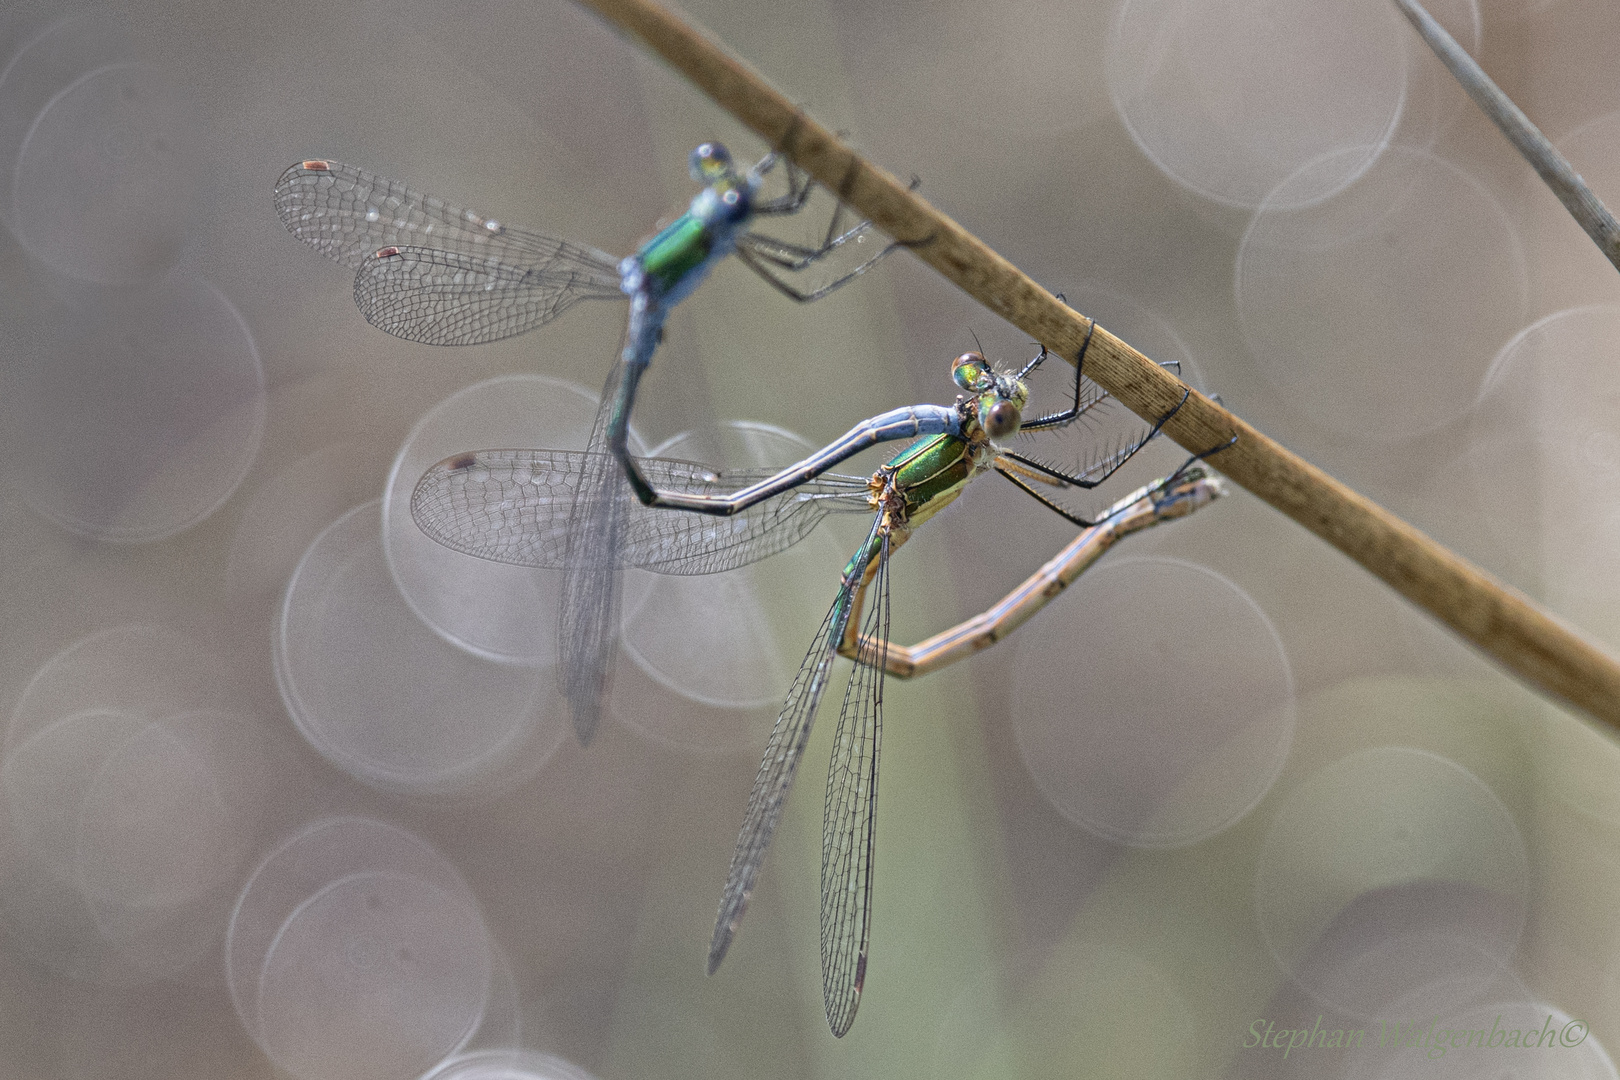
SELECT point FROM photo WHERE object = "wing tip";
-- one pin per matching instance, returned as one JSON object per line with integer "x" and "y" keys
{"x": 840, "y": 1024}
{"x": 302, "y": 168}
{"x": 841, "y": 1015}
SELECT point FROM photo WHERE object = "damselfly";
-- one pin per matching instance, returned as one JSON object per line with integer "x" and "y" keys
{"x": 430, "y": 272}
{"x": 502, "y": 504}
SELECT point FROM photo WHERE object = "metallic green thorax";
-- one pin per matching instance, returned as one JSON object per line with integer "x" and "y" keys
{"x": 927, "y": 476}
{"x": 930, "y": 473}
{"x": 676, "y": 251}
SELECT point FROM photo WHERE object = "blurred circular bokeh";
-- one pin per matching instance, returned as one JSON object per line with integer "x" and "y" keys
{"x": 1353, "y": 306}
{"x": 48, "y": 62}
{"x": 506, "y": 1065}
{"x": 139, "y": 413}
{"x": 987, "y": 69}
{"x": 212, "y": 660}
{"x": 133, "y": 790}
{"x": 283, "y": 513}
{"x": 1230, "y": 98}
{"x": 1389, "y": 873}
{"x": 357, "y": 951}
{"x": 383, "y": 697}
{"x": 1154, "y": 703}
{"x": 105, "y": 187}
{"x": 1545, "y": 456}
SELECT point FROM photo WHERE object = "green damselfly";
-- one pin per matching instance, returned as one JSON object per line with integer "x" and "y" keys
{"x": 431, "y": 272}
{"x": 504, "y": 505}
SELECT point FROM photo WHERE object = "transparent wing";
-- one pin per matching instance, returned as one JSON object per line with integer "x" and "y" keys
{"x": 347, "y": 213}
{"x": 452, "y": 276}
{"x": 440, "y": 297}
{"x": 849, "y": 822}
{"x": 592, "y": 558}
{"x": 514, "y": 506}
{"x": 782, "y": 756}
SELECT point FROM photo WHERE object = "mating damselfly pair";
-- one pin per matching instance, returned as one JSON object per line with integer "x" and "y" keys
{"x": 430, "y": 272}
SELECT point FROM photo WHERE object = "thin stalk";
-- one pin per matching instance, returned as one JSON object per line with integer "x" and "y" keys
{"x": 1586, "y": 208}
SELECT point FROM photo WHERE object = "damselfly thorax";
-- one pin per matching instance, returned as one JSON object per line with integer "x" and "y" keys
{"x": 932, "y": 472}
{"x": 928, "y": 475}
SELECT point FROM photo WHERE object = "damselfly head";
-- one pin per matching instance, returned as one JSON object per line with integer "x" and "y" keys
{"x": 710, "y": 162}
{"x": 1001, "y": 397}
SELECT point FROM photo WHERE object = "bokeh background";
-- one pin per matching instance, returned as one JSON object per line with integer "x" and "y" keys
{"x": 288, "y": 791}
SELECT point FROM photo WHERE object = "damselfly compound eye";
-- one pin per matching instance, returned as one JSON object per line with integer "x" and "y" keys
{"x": 971, "y": 372}
{"x": 710, "y": 161}
{"x": 999, "y": 420}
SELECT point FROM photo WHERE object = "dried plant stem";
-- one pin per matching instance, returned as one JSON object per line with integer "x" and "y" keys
{"x": 1586, "y": 208}
{"x": 1499, "y": 621}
